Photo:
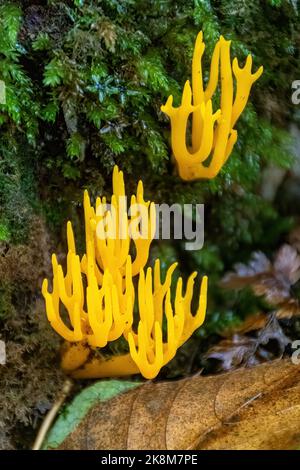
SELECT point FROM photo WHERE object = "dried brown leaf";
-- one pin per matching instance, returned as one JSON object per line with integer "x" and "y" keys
{"x": 272, "y": 281}
{"x": 240, "y": 350}
{"x": 255, "y": 408}
{"x": 232, "y": 353}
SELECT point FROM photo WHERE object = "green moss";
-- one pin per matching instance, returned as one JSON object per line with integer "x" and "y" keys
{"x": 4, "y": 232}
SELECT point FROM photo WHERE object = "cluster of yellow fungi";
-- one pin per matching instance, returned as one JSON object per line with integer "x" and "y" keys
{"x": 95, "y": 302}
{"x": 213, "y": 135}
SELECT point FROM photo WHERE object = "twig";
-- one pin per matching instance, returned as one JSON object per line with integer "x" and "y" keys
{"x": 51, "y": 415}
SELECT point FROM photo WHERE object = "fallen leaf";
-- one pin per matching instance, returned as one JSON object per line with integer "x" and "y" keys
{"x": 272, "y": 281}
{"x": 232, "y": 353}
{"x": 241, "y": 349}
{"x": 254, "y": 408}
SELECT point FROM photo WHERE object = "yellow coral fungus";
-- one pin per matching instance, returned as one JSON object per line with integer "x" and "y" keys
{"x": 147, "y": 348}
{"x": 108, "y": 230}
{"x": 149, "y": 352}
{"x": 98, "y": 295}
{"x": 213, "y": 134}
{"x": 107, "y": 267}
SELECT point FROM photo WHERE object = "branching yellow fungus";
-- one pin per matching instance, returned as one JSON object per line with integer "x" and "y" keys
{"x": 213, "y": 133}
{"x": 94, "y": 302}
{"x": 149, "y": 352}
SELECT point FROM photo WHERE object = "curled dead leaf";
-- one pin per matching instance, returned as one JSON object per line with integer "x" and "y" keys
{"x": 241, "y": 349}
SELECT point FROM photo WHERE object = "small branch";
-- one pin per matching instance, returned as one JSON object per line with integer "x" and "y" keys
{"x": 51, "y": 415}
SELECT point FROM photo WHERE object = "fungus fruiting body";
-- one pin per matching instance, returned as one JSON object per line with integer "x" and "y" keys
{"x": 213, "y": 134}
{"x": 98, "y": 298}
